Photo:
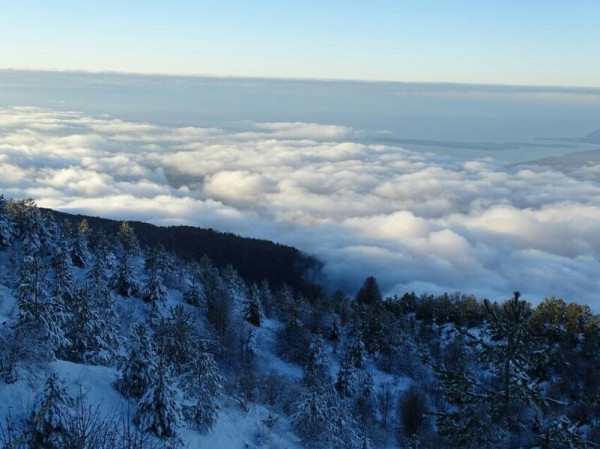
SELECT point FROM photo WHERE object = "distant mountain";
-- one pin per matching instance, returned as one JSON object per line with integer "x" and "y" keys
{"x": 254, "y": 259}
{"x": 593, "y": 137}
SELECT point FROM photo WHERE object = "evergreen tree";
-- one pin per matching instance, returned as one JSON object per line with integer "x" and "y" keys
{"x": 510, "y": 353}
{"x": 158, "y": 409}
{"x": 40, "y": 315}
{"x": 128, "y": 239}
{"x": 194, "y": 294}
{"x": 176, "y": 338}
{"x": 49, "y": 421}
{"x": 316, "y": 370}
{"x": 252, "y": 307}
{"x": 124, "y": 280}
{"x": 6, "y": 227}
{"x": 347, "y": 377}
{"x": 218, "y": 301}
{"x": 155, "y": 292}
{"x": 63, "y": 285}
{"x": 363, "y": 406}
{"x": 352, "y": 361}
{"x": 335, "y": 332}
{"x": 80, "y": 252}
{"x": 93, "y": 331}
{"x": 322, "y": 421}
{"x": 246, "y": 375}
{"x": 201, "y": 383}
{"x": 369, "y": 293}
{"x": 103, "y": 250}
{"x": 137, "y": 372}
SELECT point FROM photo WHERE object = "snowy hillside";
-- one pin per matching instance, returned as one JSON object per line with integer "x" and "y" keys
{"x": 109, "y": 344}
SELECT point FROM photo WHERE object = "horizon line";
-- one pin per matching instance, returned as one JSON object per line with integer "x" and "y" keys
{"x": 310, "y": 79}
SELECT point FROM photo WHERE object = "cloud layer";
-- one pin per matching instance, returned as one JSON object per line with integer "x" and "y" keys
{"x": 416, "y": 221}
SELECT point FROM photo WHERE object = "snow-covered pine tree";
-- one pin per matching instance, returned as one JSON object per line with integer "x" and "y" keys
{"x": 252, "y": 307}
{"x": 267, "y": 299}
{"x": 155, "y": 292}
{"x": 80, "y": 252}
{"x": 218, "y": 301}
{"x": 40, "y": 315}
{"x": 6, "y": 227}
{"x": 246, "y": 374}
{"x": 323, "y": 422}
{"x": 336, "y": 329}
{"x": 194, "y": 294}
{"x": 363, "y": 406}
{"x": 92, "y": 330}
{"x": 63, "y": 284}
{"x": 138, "y": 370}
{"x": 508, "y": 351}
{"x": 201, "y": 383}
{"x": 347, "y": 377}
{"x": 176, "y": 338}
{"x": 155, "y": 267}
{"x": 48, "y": 424}
{"x": 128, "y": 239}
{"x": 124, "y": 280}
{"x": 104, "y": 250}
{"x": 30, "y": 226}
{"x": 158, "y": 410}
{"x": 107, "y": 340}
{"x": 564, "y": 433}
{"x": 316, "y": 370}
{"x": 352, "y": 361}
{"x": 234, "y": 283}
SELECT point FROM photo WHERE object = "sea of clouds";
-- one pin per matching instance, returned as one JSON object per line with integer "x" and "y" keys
{"x": 416, "y": 221}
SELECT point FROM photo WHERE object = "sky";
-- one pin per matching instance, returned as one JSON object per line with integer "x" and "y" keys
{"x": 422, "y": 182}
{"x": 549, "y": 42}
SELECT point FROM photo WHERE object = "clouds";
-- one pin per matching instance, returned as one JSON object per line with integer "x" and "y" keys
{"x": 414, "y": 220}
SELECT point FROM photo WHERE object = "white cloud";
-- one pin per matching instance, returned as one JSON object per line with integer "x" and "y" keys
{"x": 416, "y": 221}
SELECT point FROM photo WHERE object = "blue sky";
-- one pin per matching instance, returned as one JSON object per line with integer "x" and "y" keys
{"x": 496, "y": 42}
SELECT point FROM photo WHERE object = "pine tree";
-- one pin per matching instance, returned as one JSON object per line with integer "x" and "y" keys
{"x": 194, "y": 294}
{"x": 124, "y": 280}
{"x": 202, "y": 383}
{"x": 158, "y": 410}
{"x": 510, "y": 353}
{"x": 103, "y": 250}
{"x": 107, "y": 339}
{"x": 363, "y": 406}
{"x": 63, "y": 283}
{"x": 335, "y": 332}
{"x": 218, "y": 301}
{"x": 347, "y": 377}
{"x": 128, "y": 239}
{"x": 137, "y": 372}
{"x": 246, "y": 375}
{"x": 40, "y": 314}
{"x": 369, "y": 294}
{"x": 176, "y": 337}
{"x": 80, "y": 252}
{"x": 323, "y": 422}
{"x": 155, "y": 292}
{"x": 49, "y": 421}
{"x": 252, "y": 307}
{"x": 93, "y": 331}
{"x": 6, "y": 227}
{"x": 316, "y": 370}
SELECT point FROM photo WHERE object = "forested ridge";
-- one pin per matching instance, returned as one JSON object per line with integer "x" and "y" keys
{"x": 125, "y": 335}
{"x": 254, "y": 259}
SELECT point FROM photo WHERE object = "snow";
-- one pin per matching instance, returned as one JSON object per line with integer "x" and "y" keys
{"x": 258, "y": 426}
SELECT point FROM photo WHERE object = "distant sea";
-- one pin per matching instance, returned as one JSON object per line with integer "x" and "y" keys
{"x": 506, "y": 123}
